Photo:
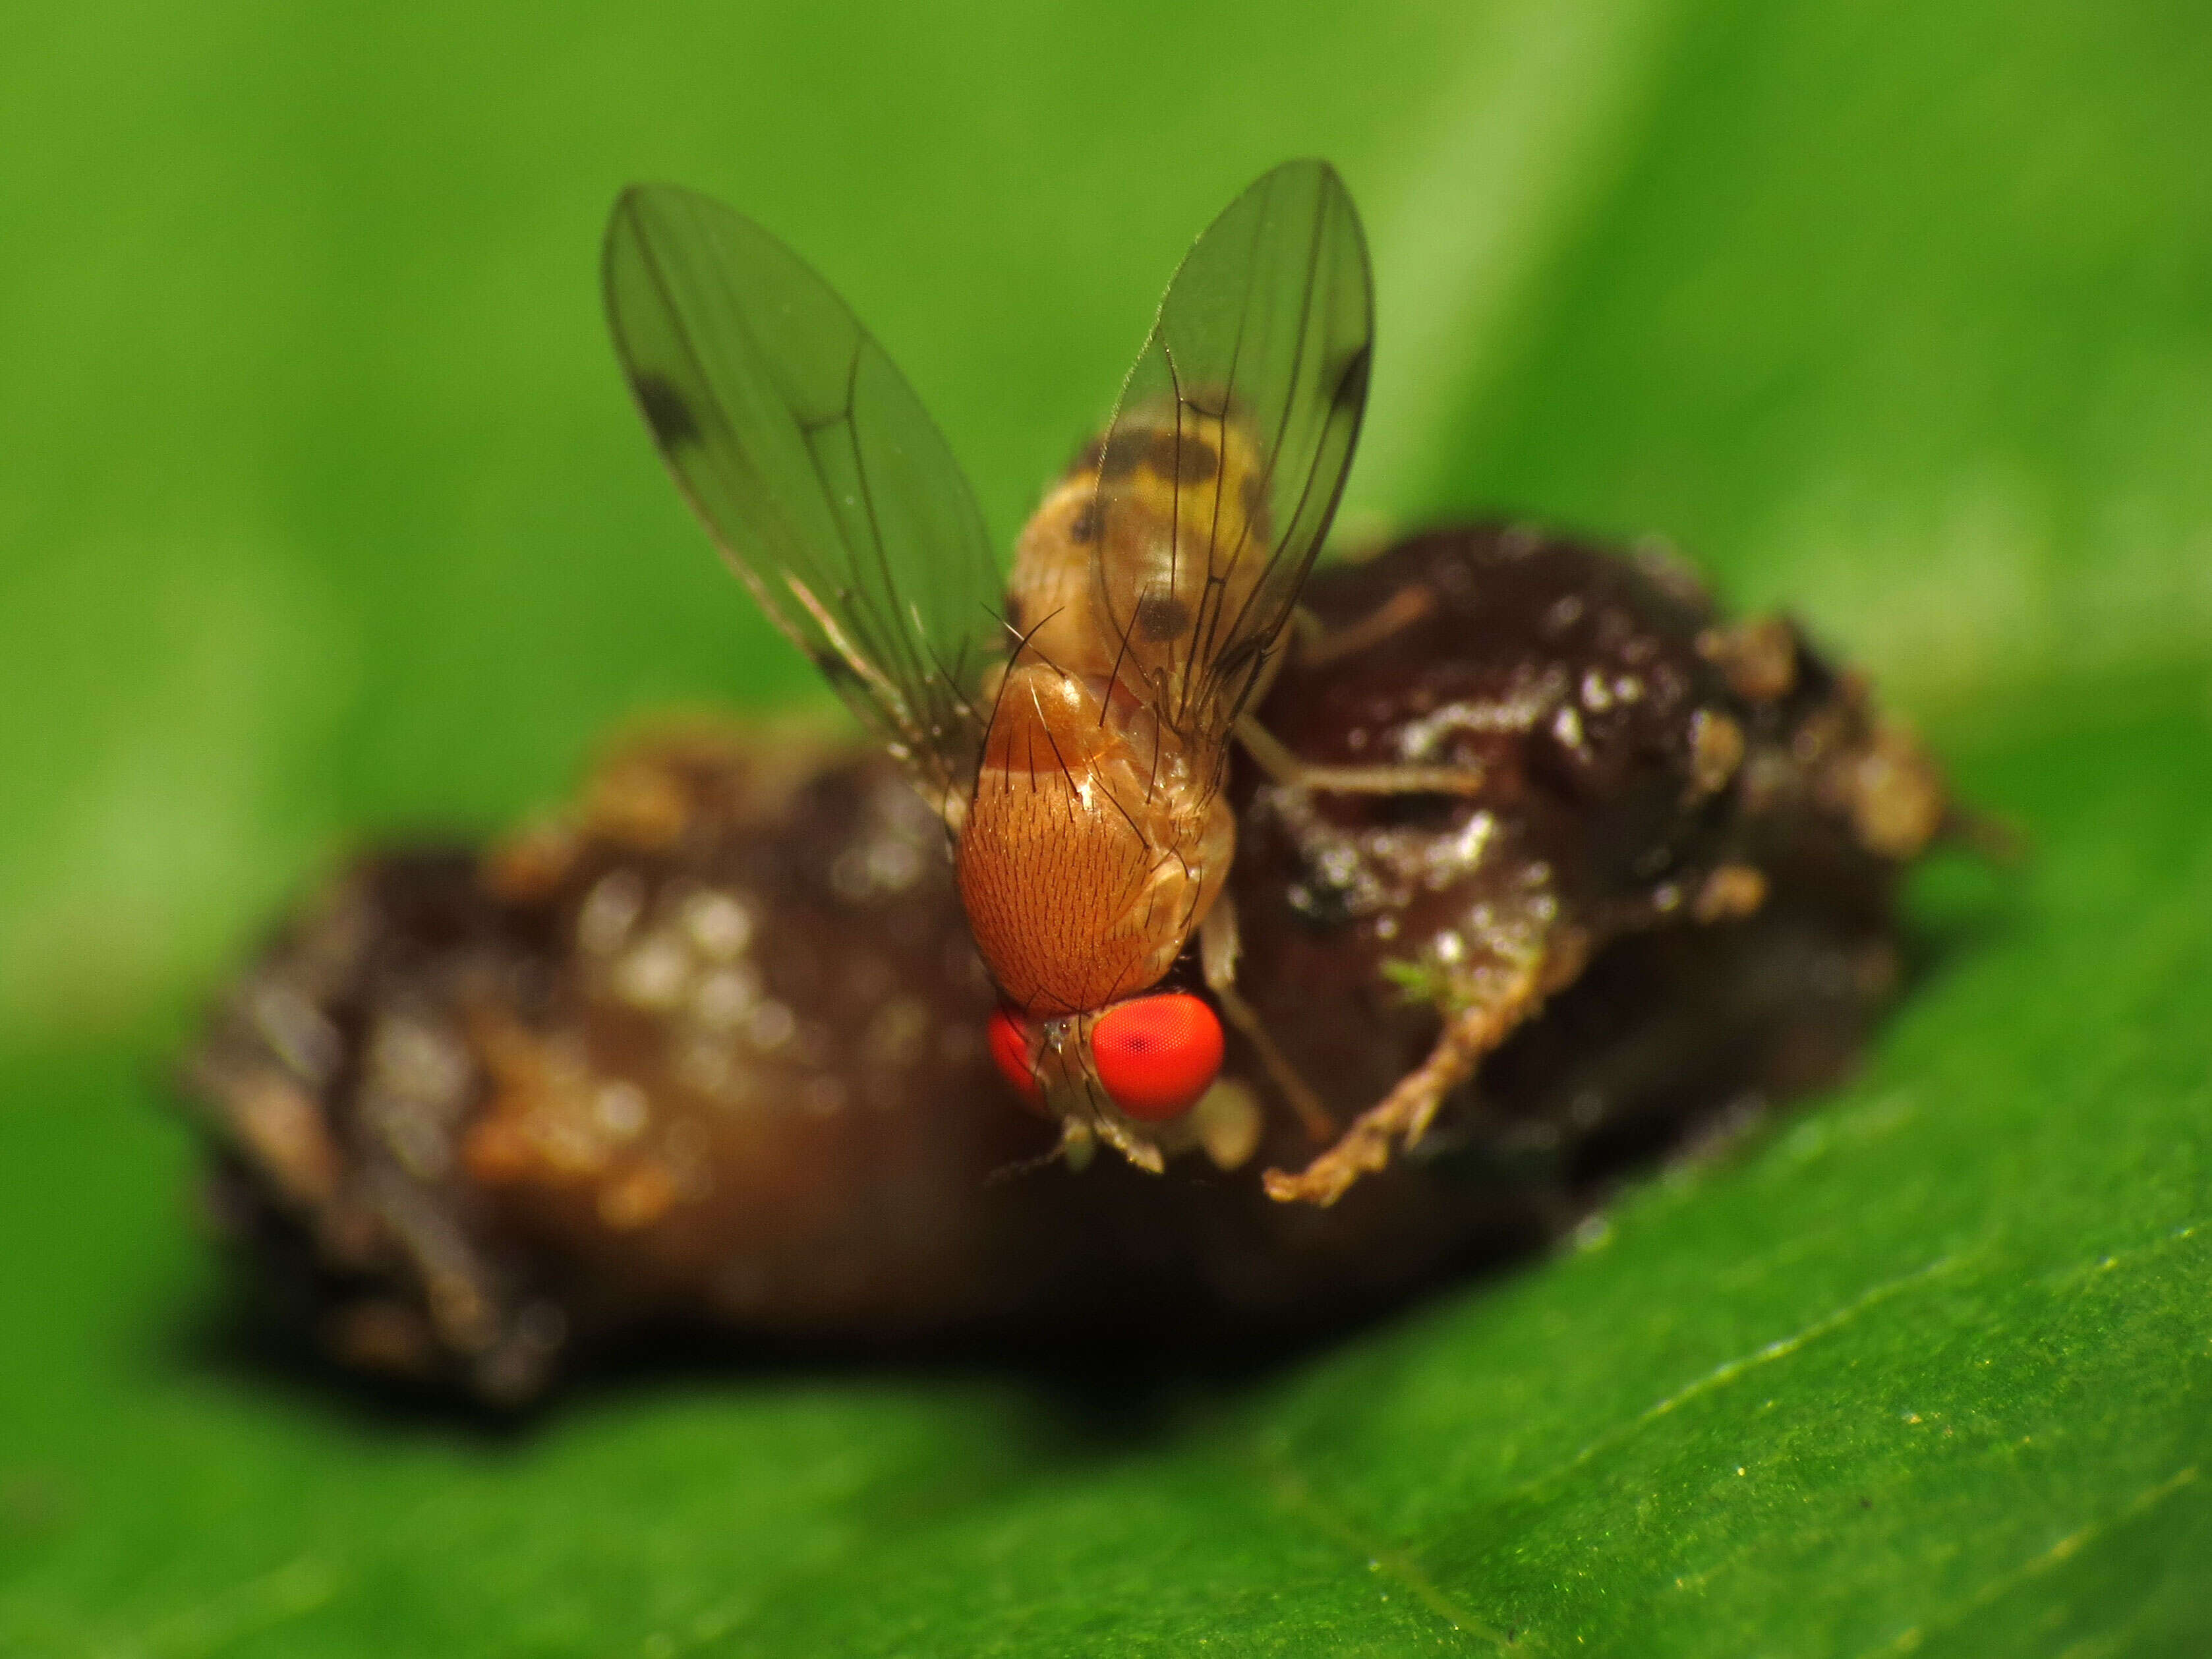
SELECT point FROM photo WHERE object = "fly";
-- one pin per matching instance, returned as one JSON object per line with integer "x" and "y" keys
{"x": 1071, "y": 725}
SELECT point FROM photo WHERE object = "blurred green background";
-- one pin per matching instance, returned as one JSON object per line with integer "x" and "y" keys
{"x": 323, "y": 514}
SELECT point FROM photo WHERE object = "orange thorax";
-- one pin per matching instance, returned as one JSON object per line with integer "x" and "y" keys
{"x": 1092, "y": 849}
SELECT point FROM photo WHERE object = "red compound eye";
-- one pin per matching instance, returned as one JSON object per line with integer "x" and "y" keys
{"x": 1157, "y": 1056}
{"x": 1010, "y": 1047}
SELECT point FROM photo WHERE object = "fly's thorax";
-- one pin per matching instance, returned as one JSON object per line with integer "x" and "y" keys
{"x": 1091, "y": 848}
{"x": 1146, "y": 554}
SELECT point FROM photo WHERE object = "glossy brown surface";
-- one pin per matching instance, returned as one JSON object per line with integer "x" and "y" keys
{"x": 708, "y": 1051}
{"x": 1635, "y": 778}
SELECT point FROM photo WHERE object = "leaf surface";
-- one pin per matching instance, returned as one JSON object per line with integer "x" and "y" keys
{"x": 324, "y": 511}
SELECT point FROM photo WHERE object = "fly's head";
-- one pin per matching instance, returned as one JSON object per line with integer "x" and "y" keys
{"x": 1119, "y": 1074}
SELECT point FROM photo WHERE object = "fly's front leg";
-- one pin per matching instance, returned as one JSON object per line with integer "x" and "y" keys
{"x": 1403, "y": 1116}
{"x": 1218, "y": 946}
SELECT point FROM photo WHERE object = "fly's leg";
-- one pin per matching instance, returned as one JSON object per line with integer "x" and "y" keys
{"x": 1287, "y": 768}
{"x": 1403, "y": 1116}
{"x": 1218, "y": 946}
{"x": 1318, "y": 648}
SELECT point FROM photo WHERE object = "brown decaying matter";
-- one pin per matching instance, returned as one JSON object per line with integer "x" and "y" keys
{"x": 705, "y": 1052}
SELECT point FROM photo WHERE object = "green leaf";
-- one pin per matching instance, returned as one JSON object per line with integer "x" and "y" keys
{"x": 324, "y": 511}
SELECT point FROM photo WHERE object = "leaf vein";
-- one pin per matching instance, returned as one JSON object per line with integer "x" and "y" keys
{"x": 1729, "y": 1370}
{"x": 1293, "y": 1495}
{"x": 2036, "y": 1566}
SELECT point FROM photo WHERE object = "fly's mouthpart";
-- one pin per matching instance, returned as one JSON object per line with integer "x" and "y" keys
{"x": 1079, "y": 1138}
{"x": 1078, "y": 1145}
{"x": 1138, "y": 1148}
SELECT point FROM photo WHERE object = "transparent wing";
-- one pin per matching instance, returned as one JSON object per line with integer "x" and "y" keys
{"x": 1230, "y": 444}
{"x": 814, "y": 466}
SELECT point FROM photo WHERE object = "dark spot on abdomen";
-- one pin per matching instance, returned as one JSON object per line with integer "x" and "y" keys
{"x": 1182, "y": 458}
{"x": 1123, "y": 451}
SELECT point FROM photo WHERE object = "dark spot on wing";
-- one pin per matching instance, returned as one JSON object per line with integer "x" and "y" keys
{"x": 1083, "y": 527}
{"x": 666, "y": 412}
{"x": 1086, "y": 458}
{"x": 1182, "y": 458}
{"x": 1162, "y": 617}
{"x": 1351, "y": 379}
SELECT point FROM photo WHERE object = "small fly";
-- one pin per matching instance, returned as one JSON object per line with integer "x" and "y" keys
{"x": 1071, "y": 723}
